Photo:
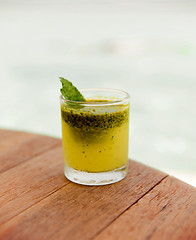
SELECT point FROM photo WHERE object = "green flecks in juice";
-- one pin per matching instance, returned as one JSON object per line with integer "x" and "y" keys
{"x": 95, "y": 141}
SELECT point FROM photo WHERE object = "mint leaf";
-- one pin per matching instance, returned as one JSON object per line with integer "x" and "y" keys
{"x": 70, "y": 92}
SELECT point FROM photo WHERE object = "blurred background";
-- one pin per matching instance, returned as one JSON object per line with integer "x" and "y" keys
{"x": 147, "y": 48}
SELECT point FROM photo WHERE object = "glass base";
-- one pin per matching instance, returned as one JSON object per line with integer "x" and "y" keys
{"x": 101, "y": 178}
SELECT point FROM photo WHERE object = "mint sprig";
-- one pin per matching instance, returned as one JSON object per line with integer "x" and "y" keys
{"x": 70, "y": 92}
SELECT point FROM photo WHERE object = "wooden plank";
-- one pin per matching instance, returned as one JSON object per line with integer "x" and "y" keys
{"x": 29, "y": 182}
{"x": 26, "y": 150}
{"x": 4, "y": 133}
{"x": 80, "y": 212}
{"x": 166, "y": 212}
{"x": 11, "y": 139}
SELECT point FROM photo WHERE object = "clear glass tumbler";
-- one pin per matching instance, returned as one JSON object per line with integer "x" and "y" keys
{"x": 95, "y": 136}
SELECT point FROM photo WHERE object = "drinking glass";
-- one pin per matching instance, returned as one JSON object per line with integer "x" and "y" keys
{"x": 95, "y": 136}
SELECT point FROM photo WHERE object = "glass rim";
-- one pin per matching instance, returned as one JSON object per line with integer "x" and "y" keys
{"x": 89, "y": 103}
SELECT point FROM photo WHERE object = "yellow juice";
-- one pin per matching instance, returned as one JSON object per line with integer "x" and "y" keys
{"x": 95, "y": 139}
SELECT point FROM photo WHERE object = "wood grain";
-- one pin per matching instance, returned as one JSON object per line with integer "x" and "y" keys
{"x": 4, "y": 133}
{"x": 168, "y": 211}
{"x": 24, "y": 150}
{"x": 12, "y": 139}
{"x": 29, "y": 182}
{"x": 38, "y": 202}
{"x": 80, "y": 212}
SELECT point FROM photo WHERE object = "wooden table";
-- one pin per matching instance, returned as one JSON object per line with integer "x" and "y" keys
{"x": 38, "y": 202}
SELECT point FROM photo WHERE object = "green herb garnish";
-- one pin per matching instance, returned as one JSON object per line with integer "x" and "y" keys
{"x": 70, "y": 92}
